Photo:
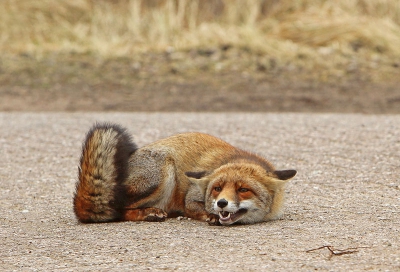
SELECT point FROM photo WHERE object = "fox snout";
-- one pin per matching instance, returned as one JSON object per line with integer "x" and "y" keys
{"x": 222, "y": 203}
{"x": 229, "y": 212}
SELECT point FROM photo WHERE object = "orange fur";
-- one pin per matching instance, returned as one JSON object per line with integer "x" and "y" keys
{"x": 171, "y": 177}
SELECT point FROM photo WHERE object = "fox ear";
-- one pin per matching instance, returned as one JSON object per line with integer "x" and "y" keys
{"x": 199, "y": 179}
{"x": 285, "y": 174}
{"x": 196, "y": 175}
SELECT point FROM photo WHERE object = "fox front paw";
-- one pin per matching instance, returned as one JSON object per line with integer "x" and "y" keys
{"x": 145, "y": 214}
{"x": 213, "y": 220}
{"x": 155, "y": 215}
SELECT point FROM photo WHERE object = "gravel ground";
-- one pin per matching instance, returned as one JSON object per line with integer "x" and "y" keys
{"x": 346, "y": 195}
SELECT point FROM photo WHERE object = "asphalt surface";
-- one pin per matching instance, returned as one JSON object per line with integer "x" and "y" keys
{"x": 346, "y": 196}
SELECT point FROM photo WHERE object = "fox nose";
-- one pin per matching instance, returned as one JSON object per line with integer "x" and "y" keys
{"x": 222, "y": 203}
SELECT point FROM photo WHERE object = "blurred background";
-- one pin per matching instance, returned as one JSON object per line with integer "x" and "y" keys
{"x": 200, "y": 55}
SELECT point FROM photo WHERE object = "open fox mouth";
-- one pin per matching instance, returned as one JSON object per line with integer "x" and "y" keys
{"x": 227, "y": 218}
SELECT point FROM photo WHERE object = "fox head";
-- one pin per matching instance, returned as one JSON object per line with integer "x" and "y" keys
{"x": 243, "y": 193}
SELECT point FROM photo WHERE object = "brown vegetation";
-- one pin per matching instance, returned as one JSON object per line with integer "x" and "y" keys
{"x": 284, "y": 29}
{"x": 126, "y": 43}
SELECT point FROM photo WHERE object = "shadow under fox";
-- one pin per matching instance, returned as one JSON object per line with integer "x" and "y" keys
{"x": 191, "y": 174}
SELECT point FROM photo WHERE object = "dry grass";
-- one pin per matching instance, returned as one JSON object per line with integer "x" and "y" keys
{"x": 314, "y": 33}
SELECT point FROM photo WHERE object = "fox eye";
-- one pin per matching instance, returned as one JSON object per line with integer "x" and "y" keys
{"x": 243, "y": 190}
{"x": 217, "y": 189}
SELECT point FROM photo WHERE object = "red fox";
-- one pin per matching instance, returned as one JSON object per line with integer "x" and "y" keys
{"x": 194, "y": 175}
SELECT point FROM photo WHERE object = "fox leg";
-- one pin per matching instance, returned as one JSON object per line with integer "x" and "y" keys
{"x": 145, "y": 214}
{"x": 150, "y": 186}
{"x": 195, "y": 210}
{"x": 195, "y": 206}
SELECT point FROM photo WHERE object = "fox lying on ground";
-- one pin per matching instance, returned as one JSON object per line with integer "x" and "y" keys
{"x": 191, "y": 174}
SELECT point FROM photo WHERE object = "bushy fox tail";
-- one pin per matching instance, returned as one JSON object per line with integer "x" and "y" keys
{"x": 99, "y": 195}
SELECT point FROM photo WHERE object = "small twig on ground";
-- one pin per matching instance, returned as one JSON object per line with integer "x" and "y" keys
{"x": 337, "y": 252}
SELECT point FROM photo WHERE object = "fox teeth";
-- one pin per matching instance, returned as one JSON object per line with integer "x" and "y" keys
{"x": 221, "y": 214}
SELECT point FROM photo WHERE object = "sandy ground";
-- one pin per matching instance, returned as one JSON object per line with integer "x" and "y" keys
{"x": 346, "y": 195}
